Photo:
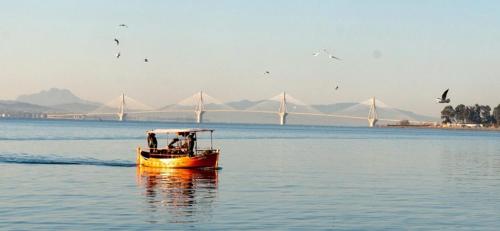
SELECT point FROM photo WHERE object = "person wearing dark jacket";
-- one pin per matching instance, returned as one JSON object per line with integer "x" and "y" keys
{"x": 190, "y": 142}
{"x": 152, "y": 143}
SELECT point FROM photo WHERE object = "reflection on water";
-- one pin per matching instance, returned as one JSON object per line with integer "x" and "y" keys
{"x": 178, "y": 195}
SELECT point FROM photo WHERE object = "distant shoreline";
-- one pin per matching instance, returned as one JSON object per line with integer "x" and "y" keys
{"x": 497, "y": 129}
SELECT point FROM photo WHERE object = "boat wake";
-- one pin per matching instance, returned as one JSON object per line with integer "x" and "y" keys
{"x": 62, "y": 138}
{"x": 22, "y": 158}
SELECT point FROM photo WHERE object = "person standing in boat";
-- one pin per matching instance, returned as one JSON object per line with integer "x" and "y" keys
{"x": 190, "y": 144}
{"x": 184, "y": 144}
{"x": 171, "y": 144}
{"x": 152, "y": 143}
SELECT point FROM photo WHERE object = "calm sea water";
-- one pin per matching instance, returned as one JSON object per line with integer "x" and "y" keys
{"x": 81, "y": 175}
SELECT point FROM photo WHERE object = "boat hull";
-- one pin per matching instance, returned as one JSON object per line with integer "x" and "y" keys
{"x": 200, "y": 161}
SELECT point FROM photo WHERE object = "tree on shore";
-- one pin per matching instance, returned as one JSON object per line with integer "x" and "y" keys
{"x": 485, "y": 113}
{"x": 448, "y": 114}
{"x": 476, "y": 114}
{"x": 460, "y": 113}
{"x": 496, "y": 115}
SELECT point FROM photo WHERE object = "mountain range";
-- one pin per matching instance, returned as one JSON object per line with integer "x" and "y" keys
{"x": 57, "y": 100}
{"x": 52, "y": 97}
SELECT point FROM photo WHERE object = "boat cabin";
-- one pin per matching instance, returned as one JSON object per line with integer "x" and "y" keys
{"x": 176, "y": 143}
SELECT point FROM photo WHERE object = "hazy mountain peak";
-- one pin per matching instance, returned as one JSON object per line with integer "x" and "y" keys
{"x": 51, "y": 97}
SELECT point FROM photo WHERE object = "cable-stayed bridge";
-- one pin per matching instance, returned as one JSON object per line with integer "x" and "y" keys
{"x": 283, "y": 105}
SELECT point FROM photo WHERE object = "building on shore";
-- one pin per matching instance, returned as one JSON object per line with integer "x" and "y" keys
{"x": 23, "y": 115}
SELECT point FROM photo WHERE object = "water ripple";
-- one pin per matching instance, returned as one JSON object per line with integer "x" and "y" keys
{"x": 55, "y": 138}
{"x": 22, "y": 158}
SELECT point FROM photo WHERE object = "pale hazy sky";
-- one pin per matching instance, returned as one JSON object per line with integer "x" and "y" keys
{"x": 223, "y": 48}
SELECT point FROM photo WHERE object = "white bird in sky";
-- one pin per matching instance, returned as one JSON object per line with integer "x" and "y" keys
{"x": 118, "y": 55}
{"x": 117, "y": 42}
{"x": 330, "y": 55}
{"x": 123, "y": 25}
{"x": 316, "y": 54}
{"x": 333, "y": 57}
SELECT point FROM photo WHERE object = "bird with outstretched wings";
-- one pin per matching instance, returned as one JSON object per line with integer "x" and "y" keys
{"x": 444, "y": 98}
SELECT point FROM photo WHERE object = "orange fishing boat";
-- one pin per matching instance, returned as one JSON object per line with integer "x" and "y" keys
{"x": 182, "y": 150}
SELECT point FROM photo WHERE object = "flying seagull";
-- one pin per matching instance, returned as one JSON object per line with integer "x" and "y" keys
{"x": 117, "y": 42}
{"x": 267, "y": 73}
{"x": 118, "y": 55}
{"x": 330, "y": 55}
{"x": 146, "y": 60}
{"x": 443, "y": 98}
{"x": 333, "y": 57}
{"x": 315, "y": 54}
{"x": 337, "y": 87}
{"x": 123, "y": 25}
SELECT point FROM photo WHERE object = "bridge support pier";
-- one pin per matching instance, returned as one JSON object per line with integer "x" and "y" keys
{"x": 121, "y": 113}
{"x": 372, "y": 114}
{"x": 121, "y": 116}
{"x": 199, "y": 110}
{"x": 199, "y": 116}
{"x": 283, "y": 118}
{"x": 282, "y": 111}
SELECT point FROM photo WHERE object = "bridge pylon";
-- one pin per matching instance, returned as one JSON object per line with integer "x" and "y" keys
{"x": 121, "y": 112}
{"x": 199, "y": 109}
{"x": 372, "y": 114}
{"x": 282, "y": 111}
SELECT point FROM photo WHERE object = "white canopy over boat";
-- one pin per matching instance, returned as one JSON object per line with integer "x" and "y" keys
{"x": 181, "y": 130}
